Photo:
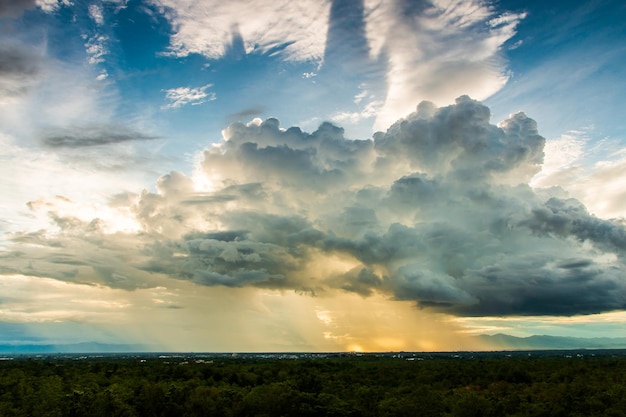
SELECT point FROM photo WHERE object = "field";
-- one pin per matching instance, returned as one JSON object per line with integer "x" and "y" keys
{"x": 570, "y": 383}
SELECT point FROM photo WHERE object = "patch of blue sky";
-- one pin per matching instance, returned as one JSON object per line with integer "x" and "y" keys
{"x": 566, "y": 66}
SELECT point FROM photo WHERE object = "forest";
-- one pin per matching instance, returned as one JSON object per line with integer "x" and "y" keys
{"x": 559, "y": 384}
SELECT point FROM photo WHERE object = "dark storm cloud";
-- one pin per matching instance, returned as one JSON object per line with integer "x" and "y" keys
{"x": 362, "y": 281}
{"x": 570, "y": 218}
{"x": 231, "y": 258}
{"x": 459, "y": 208}
{"x": 535, "y": 284}
{"x": 437, "y": 210}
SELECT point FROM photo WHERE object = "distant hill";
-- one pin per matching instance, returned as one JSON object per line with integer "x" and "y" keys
{"x": 497, "y": 342}
{"x": 88, "y": 347}
{"x": 507, "y": 342}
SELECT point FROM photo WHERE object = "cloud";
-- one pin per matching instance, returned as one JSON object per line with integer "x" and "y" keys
{"x": 437, "y": 210}
{"x": 19, "y": 69}
{"x": 182, "y": 96}
{"x": 245, "y": 114}
{"x": 95, "y": 135}
{"x": 423, "y": 50}
{"x": 87, "y": 176}
{"x": 297, "y": 30}
{"x": 582, "y": 168}
{"x": 50, "y": 6}
{"x": 14, "y": 8}
{"x": 96, "y": 49}
{"x": 368, "y": 111}
{"x": 75, "y": 255}
{"x": 436, "y": 50}
{"x": 41, "y": 300}
{"x": 61, "y": 94}
{"x": 96, "y": 13}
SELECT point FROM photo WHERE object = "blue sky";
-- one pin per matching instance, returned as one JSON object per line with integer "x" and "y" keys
{"x": 261, "y": 175}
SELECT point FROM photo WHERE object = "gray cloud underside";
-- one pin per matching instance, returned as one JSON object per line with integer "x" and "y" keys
{"x": 15, "y": 61}
{"x": 14, "y": 8}
{"x": 81, "y": 137}
{"x": 437, "y": 210}
{"x": 19, "y": 69}
{"x": 245, "y": 114}
{"x": 81, "y": 254}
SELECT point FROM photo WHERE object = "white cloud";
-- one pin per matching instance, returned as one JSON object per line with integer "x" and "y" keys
{"x": 601, "y": 186}
{"x": 96, "y": 49}
{"x": 50, "y": 6}
{"x": 508, "y": 20}
{"x": 437, "y": 52}
{"x": 589, "y": 172}
{"x": 48, "y": 153}
{"x": 40, "y": 155}
{"x": 85, "y": 187}
{"x": 561, "y": 155}
{"x": 28, "y": 299}
{"x": 208, "y": 27}
{"x": 182, "y": 96}
{"x": 433, "y": 52}
{"x": 359, "y": 97}
{"x": 96, "y": 14}
{"x": 102, "y": 76}
{"x": 369, "y": 111}
{"x": 61, "y": 95}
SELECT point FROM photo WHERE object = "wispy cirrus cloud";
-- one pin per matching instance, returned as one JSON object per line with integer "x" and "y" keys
{"x": 368, "y": 111}
{"x": 181, "y": 96}
{"x": 432, "y": 51}
{"x": 438, "y": 50}
{"x": 296, "y": 29}
{"x": 573, "y": 163}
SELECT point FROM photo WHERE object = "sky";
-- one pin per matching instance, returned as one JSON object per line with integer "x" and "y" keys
{"x": 345, "y": 175}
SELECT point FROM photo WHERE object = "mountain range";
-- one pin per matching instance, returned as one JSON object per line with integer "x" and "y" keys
{"x": 497, "y": 342}
{"x": 543, "y": 342}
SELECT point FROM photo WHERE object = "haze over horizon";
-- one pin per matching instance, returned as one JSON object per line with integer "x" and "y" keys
{"x": 376, "y": 175}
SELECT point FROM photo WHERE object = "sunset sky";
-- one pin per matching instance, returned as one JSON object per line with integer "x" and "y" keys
{"x": 310, "y": 175}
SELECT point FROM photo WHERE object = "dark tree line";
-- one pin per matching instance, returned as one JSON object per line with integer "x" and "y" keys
{"x": 341, "y": 386}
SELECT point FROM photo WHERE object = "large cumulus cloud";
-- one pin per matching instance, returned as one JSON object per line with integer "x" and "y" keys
{"x": 437, "y": 210}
